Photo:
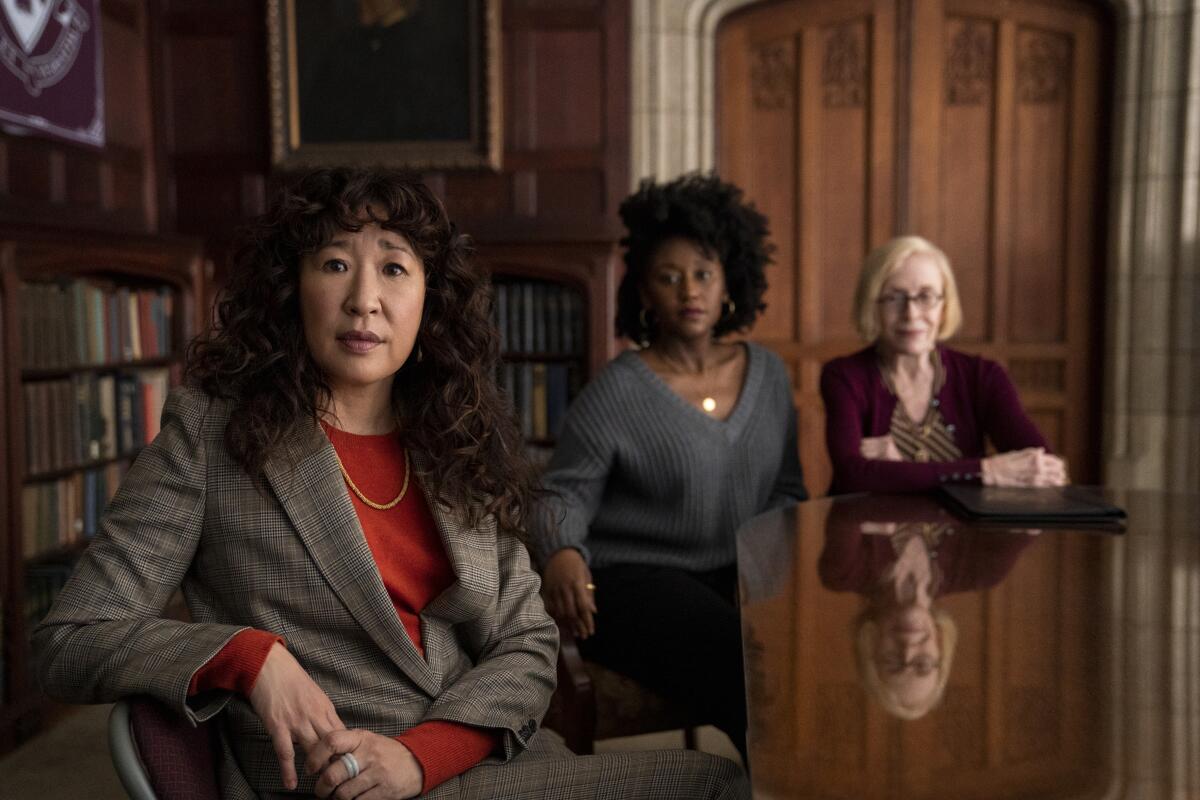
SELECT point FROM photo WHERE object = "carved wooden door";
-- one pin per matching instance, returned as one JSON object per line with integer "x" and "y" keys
{"x": 974, "y": 123}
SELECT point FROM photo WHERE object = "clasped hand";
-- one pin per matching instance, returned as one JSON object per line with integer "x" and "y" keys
{"x": 1031, "y": 466}
{"x": 566, "y": 588}
{"x": 296, "y": 711}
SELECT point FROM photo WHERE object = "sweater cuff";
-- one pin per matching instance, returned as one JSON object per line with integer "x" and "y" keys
{"x": 583, "y": 551}
{"x": 967, "y": 470}
{"x": 235, "y": 667}
{"x": 447, "y": 749}
{"x": 555, "y": 539}
{"x": 555, "y": 532}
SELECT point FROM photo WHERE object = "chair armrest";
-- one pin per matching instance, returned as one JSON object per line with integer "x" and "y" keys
{"x": 575, "y": 697}
{"x": 124, "y": 752}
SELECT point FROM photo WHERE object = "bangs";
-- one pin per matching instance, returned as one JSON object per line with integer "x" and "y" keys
{"x": 410, "y": 210}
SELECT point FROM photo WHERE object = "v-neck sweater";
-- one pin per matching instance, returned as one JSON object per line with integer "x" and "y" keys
{"x": 641, "y": 476}
{"x": 415, "y": 569}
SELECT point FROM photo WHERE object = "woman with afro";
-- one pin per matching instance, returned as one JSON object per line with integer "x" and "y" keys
{"x": 668, "y": 451}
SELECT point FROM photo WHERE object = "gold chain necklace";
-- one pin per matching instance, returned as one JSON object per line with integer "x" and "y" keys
{"x": 358, "y": 492}
{"x": 708, "y": 402}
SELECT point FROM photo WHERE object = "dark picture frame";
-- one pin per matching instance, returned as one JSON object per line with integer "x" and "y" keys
{"x": 404, "y": 83}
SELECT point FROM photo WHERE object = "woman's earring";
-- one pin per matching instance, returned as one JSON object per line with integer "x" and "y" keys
{"x": 644, "y": 321}
{"x": 732, "y": 307}
{"x": 420, "y": 355}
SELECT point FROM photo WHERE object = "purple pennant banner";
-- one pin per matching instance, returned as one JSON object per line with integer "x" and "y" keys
{"x": 51, "y": 79}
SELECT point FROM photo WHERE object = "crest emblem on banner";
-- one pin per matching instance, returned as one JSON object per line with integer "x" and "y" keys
{"x": 41, "y": 39}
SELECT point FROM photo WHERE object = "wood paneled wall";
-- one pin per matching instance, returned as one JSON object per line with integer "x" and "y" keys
{"x": 211, "y": 106}
{"x": 188, "y": 129}
{"x": 45, "y": 182}
{"x": 973, "y": 123}
{"x": 565, "y": 67}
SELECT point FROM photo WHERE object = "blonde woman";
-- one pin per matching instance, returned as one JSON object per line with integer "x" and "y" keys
{"x": 907, "y": 413}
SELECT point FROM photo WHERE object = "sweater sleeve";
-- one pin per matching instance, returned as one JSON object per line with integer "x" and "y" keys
{"x": 575, "y": 478}
{"x": 447, "y": 749}
{"x": 845, "y": 414}
{"x": 789, "y": 482}
{"x": 1004, "y": 419}
{"x": 235, "y": 667}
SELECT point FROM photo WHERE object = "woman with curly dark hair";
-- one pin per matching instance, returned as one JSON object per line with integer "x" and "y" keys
{"x": 669, "y": 450}
{"x": 339, "y": 491}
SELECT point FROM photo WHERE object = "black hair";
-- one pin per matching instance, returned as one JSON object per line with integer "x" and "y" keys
{"x": 446, "y": 398}
{"x": 711, "y": 213}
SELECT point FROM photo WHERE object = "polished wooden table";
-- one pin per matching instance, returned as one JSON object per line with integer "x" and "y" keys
{"x": 1070, "y": 657}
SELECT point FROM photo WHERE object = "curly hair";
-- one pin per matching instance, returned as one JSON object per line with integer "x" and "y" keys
{"x": 711, "y": 213}
{"x": 446, "y": 402}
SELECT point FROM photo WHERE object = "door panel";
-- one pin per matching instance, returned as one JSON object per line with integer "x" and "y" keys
{"x": 806, "y": 127}
{"x": 1016, "y": 165}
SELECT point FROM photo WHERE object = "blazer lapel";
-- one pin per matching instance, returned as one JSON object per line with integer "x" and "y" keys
{"x": 308, "y": 484}
{"x": 472, "y": 596}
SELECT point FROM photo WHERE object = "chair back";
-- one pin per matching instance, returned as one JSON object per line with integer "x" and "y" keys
{"x": 159, "y": 755}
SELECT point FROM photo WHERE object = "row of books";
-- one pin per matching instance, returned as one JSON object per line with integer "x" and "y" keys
{"x": 42, "y": 584}
{"x": 56, "y": 514}
{"x": 89, "y": 416}
{"x": 540, "y": 393}
{"x": 539, "y": 317}
{"x": 87, "y": 323}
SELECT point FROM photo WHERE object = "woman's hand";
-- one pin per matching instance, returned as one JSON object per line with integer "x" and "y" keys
{"x": 386, "y": 768}
{"x": 879, "y": 448}
{"x": 567, "y": 589}
{"x": 292, "y": 707}
{"x": 1032, "y": 466}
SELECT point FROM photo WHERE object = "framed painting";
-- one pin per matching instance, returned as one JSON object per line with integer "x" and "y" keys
{"x": 403, "y": 83}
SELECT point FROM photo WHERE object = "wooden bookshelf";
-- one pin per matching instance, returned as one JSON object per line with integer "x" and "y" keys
{"x": 554, "y": 306}
{"x": 89, "y": 457}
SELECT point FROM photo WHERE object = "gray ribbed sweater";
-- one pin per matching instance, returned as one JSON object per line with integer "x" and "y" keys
{"x": 640, "y": 476}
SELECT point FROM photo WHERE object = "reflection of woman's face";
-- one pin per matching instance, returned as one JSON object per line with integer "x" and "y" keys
{"x": 684, "y": 288}
{"x": 361, "y": 298}
{"x": 907, "y": 653}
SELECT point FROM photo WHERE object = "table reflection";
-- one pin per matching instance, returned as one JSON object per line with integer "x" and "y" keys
{"x": 902, "y": 557}
{"x": 893, "y": 650}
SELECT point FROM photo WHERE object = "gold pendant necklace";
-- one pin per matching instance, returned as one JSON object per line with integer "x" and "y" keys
{"x": 708, "y": 402}
{"x": 358, "y": 492}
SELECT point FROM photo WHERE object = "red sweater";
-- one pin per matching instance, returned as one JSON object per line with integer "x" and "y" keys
{"x": 413, "y": 564}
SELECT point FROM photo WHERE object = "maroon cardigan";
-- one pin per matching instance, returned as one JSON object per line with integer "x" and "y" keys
{"x": 977, "y": 401}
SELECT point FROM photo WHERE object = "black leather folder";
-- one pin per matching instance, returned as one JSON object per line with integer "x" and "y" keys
{"x": 1065, "y": 505}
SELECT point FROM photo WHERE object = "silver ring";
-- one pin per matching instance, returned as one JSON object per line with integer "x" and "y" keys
{"x": 351, "y": 764}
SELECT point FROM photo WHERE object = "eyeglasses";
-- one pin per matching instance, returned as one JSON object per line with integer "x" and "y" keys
{"x": 924, "y": 300}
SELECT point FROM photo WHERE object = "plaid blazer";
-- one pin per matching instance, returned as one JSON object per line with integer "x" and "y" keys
{"x": 293, "y": 561}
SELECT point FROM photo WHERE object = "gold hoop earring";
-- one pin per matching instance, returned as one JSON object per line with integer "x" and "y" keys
{"x": 644, "y": 322}
{"x": 732, "y": 307}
